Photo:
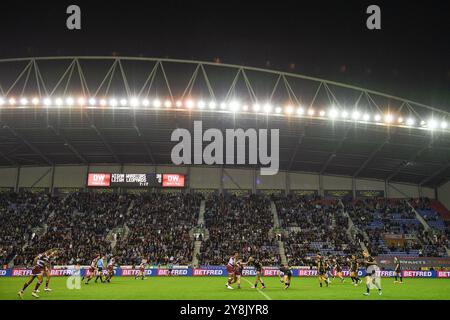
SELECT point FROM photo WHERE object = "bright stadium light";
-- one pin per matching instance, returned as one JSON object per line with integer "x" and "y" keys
{"x": 300, "y": 111}
{"x": 189, "y": 104}
{"x": 377, "y": 118}
{"x": 113, "y": 102}
{"x": 333, "y": 113}
{"x": 212, "y": 105}
{"x": 278, "y": 110}
{"x": 58, "y": 101}
{"x": 388, "y": 118}
{"x": 92, "y": 101}
{"x": 103, "y": 102}
{"x": 322, "y": 113}
{"x": 443, "y": 125}
{"x": 179, "y": 103}
{"x": 355, "y": 115}
{"x": 157, "y": 103}
{"x": 245, "y": 107}
{"x": 23, "y": 101}
{"x": 134, "y": 102}
{"x": 311, "y": 112}
{"x": 432, "y": 124}
{"x": 69, "y": 101}
{"x": 145, "y": 102}
{"x": 2, "y": 101}
{"x": 410, "y": 121}
{"x": 400, "y": 120}
{"x": 344, "y": 114}
{"x": 289, "y": 109}
{"x": 81, "y": 101}
{"x": 223, "y": 106}
{"x": 234, "y": 106}
{"x": 366, "y": 117}
{"x": 267, "y": 108}
{"x": 423, "y": 123}
{"x": 47, "y": 101}
{"x": 256, "y": 107}
{"x": 123, "y": 102}
{"x": 201, "y": 104}
{"x": 12, "y": 101}
{"x": 167, "y": 103}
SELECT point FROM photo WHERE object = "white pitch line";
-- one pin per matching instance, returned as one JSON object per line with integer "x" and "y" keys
{"x": 260, "y": 291}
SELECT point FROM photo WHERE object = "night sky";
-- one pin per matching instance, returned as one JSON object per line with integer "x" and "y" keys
{"x": 409, "y": 57}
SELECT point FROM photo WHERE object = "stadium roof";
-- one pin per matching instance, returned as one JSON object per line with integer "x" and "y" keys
{"x": 71, "y": 110}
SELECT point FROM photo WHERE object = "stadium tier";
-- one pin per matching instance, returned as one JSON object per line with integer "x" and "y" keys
{"x": 195, "y": 229}
{"x": 239, "y": 224}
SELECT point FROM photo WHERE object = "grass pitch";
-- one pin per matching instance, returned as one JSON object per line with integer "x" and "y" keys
{"x": 204, "y": 288}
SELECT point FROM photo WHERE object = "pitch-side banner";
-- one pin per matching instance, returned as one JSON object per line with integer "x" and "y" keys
{"x": 414, "y": 263}
{"x": 217, "y": 271}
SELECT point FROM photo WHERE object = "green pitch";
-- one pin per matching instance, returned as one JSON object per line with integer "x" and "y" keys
{"x": 214, "y": 288}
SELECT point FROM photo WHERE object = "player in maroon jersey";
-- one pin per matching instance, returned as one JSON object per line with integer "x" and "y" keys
{"x": 231, "y": 269}
{"x": 238, "y": 273}
{"x": 92, "y": 270}
{"x": 48, "y": 268}
{"x": 40, "y": 263}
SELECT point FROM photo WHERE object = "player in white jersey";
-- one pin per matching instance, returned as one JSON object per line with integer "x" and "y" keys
{"x": 110, "y": 269}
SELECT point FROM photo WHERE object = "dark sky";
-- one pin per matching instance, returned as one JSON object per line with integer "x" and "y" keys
{"x": 409, "y": 57}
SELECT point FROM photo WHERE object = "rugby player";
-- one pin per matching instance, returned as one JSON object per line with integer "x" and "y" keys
{"x": 141, "y": 272}
{"x": 321, "y": 270}
{"x": 258, "y": 268}
{"x": 99, "y": 271}
{"x": 40, "y": 263}
{"x": 230, "y": 270}
{"x": 398, "y": 271}
{"x": 338, "y": 268}
{"x": 48, "y": 268}
{"x": 92, "y": 270}
{"x": 372, "y": 273}
{"x": 354, "y": 270}
{"x": 287, "y": 275}
{"x": 110, "y": 269}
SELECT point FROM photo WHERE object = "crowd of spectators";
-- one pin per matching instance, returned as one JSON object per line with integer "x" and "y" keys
{"x": 239, "y": 224}
{"x": 19, "y": 216}
{"x": 158, "y": 229}
{"x": 381, "y": 218}
{"x": 313, "y": 226}
{"x": 79, "y": 227}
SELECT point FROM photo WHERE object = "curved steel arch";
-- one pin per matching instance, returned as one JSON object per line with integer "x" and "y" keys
{"x": 233, "y": 66}
{"x": 392, "y": 107}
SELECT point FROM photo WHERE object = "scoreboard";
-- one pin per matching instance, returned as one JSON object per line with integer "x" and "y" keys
{"x": 135, "y": 180}
{"x": 132, "y": 180}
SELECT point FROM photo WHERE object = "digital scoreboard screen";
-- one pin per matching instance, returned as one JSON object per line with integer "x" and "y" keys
{"x": 135, "y": 180}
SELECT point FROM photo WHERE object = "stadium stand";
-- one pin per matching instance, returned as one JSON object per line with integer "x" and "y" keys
{"x": 313, "y": 226}
{"x": 159, "y": 227}
{"x": 393, "y": 228}
{"x": 239, "y": 224}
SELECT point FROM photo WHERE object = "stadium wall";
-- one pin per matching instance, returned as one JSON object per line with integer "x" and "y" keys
{"x": 212, "y": 178}
{"x": 444, "y": 194}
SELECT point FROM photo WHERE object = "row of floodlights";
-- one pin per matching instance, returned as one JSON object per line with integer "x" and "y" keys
{"x": 233, "y": 106}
